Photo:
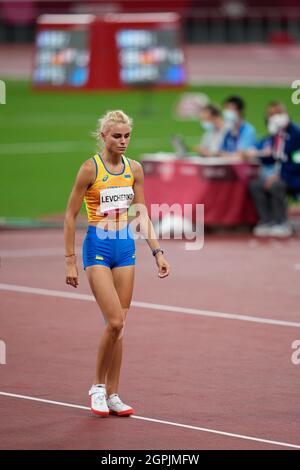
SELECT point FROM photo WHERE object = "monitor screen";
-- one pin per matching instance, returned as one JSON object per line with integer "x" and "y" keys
{"x": 150, "y": 56}
{"x": 62, "y": 57}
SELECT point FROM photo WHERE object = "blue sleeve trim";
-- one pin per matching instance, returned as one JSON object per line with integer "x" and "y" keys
{"x": 128, "y": 159}
{"x": 96, "y": 167}
{"x": 129, "y": 164}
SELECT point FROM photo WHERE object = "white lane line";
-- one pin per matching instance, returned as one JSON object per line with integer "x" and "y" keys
{"x": 208, "y": 313}
{"x": 43, "y": 400}
{"x": 55, "y": 251}
{"x": 47, "y": 292}
{"x": 41, "y": 147}
{"x": 30, "y": 252}
{"x": 160, "y": 307}
{"x": 26, "y": 148}
{"x": 160, "y": 421}
{"x": 18, "y": 148}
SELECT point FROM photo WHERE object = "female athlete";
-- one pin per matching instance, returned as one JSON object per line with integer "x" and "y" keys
{"x": 110, "y": 183}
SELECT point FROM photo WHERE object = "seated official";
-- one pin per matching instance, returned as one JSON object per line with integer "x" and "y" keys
{"x": 212, "y": 122}
{"x": 278, "y": 172}
{"x": 240, "y": 135}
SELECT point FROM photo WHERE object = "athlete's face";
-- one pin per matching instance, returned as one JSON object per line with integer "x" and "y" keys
{"x": 116, "y": 138}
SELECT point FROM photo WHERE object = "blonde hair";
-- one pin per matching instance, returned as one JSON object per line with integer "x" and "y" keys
{"x": 108, "y": 119}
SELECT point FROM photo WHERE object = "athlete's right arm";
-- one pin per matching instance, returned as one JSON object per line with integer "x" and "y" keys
{"x": 85, "y": 177}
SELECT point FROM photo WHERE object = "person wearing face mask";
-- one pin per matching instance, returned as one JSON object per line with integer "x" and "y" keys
{"x": 240, "y": 135}
{"x": 212, "y": 122}
{"x": 278, "y": 172}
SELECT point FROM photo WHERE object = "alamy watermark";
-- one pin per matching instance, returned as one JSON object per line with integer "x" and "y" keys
{"x": 173, "y": 221}
{"x": 2, "y": 92}
{"x": 295, "y": 357}
{"x": 2, "y": 352}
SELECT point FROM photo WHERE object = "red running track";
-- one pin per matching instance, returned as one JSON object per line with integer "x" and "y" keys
{"x": 199, "y": 368}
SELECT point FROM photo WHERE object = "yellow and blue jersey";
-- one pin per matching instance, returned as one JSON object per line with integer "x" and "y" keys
{"x": 111, "y": 194}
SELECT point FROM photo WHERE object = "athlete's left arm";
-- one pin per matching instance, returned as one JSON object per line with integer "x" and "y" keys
{"x": 143, "y": 220}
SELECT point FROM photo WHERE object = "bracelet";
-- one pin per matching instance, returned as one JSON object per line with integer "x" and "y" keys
{"x": 157, "y": 250}
{"x": 68, "y": 256}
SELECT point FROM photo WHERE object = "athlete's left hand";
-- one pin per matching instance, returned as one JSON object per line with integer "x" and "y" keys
{"x": 163, "y": 265}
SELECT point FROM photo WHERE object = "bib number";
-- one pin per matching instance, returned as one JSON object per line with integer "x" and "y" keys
{"x": 115, "y": 198}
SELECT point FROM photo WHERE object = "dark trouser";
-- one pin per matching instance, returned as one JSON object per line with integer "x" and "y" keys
{"x": 270, "y": 203}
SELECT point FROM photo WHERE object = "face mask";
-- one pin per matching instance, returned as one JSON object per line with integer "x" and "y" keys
{"x": 277, "y": 122}
{"x": 230, "y": 117}
{"x": 207, "y": 126}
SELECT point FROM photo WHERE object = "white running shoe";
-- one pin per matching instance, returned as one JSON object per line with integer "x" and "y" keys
{"x": 117, "y": 407}
{"x": 262, "y": 230}
{"x": 281, "y": 230}
{"x": 98, "y": 400}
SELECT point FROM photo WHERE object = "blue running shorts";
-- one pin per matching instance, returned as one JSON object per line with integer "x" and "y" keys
{"x": 112, "y": 248}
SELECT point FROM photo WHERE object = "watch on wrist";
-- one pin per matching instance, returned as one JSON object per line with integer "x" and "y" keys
{"x": 157, "y": 250}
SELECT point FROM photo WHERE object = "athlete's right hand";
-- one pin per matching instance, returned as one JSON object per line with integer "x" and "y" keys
{"x": 71, "y": 272}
